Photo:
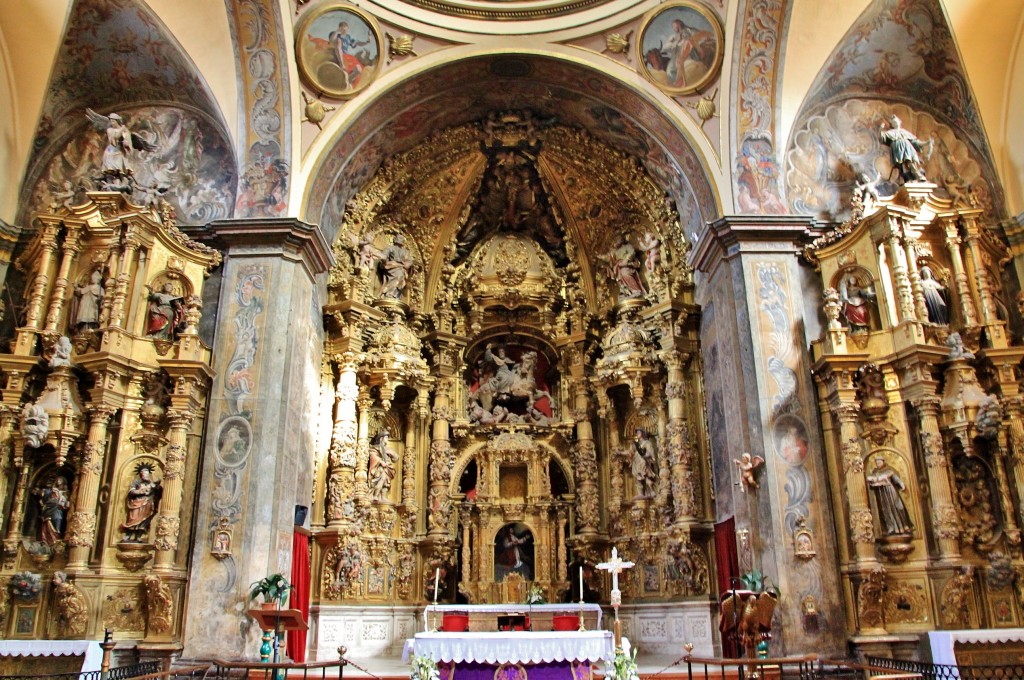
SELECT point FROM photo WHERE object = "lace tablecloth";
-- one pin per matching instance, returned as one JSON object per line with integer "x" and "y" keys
{"x": 943, "y": 642}
{"x": 90, "y": 651}
{"x": 567, "y": 608}
{"x": 512, "y": 647}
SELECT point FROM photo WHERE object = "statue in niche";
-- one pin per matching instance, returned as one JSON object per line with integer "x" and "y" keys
{"x": 936, "y": 297}
{"x": 166, "y": 313}
{"x": 886, "y": 486}
{"x": 644, "y": 463}
{"x": 89, "y": 301}
{"x": 904, "y": 148}
{"x": 624, "y": 268}
{"x": 857, "y": 298}
{"x": 393, "y": 267}
{"x": 122, "y": 144}
{"x": 141, "y": 504}
{"x": 650, "y": 245}
{"x": 35, "y": 425}
{"x": 54, "y": 502}
{"x": 380, "y": 467}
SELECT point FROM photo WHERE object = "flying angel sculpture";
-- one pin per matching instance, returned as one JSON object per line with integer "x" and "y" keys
{"x": 121, "y": 144}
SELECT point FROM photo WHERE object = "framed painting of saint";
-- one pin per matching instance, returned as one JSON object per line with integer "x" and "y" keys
{"x": 338, "y": 49}
{"x": 680, "y": 47}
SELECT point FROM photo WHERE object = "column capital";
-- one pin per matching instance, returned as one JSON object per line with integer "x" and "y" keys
{"x": 732, "y": 235}
{"x": 270, "y": 237}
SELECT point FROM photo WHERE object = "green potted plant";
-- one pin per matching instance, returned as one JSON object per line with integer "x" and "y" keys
{"x": 273, "y": 588}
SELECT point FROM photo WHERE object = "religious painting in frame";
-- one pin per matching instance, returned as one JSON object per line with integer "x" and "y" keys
{"x": 680, "y": 46}
{"x": 338, "y": 50}
{"x": 25, "y": 620}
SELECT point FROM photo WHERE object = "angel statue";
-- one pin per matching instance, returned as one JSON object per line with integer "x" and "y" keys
{"x": 121, "y": 144}
{"x": 748, "y": 465}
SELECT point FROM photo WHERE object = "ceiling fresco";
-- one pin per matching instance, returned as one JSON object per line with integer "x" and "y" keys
{"x": 899, "y": 53}
{"x": 468, "y": 91}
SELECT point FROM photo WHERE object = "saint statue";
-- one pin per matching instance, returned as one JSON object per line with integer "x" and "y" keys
{"x": 644, "y": 464}
{"x": 624, "y": 268}
{"x": 90, "y": 300}
{"x": 935, "y": 296}
{"x": 856, "y": 299}
{"x": 380, "y": 468}
{"x": 54, "y": 502}
{"x": 165, "y": 313}
{"x": 394, "y": 266}
{"x": 903, "y": 150}
{"x": 144, "y": 495}
{"x": 886, "y": 485}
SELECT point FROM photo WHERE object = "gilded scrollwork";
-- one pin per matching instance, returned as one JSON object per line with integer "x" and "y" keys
{"x": 71, "y": 607}
{"x": 158, "y": 604}
{"x": 862, "y": 526}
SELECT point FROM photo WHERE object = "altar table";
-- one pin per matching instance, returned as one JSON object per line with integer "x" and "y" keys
{"x": 540, "y": 614}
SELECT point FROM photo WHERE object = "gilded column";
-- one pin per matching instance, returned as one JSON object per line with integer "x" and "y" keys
{"x": 343, "y": 447}
{"x": 60, "y": 284}
{"x": 131, "y": 249}
{"x": 1005, "y": 502}
{"x": 947, "y": 523}
{"x": 963, "y": 290}
{"x": 363, "y": 402}
{"x": 679, "y": 450}
{"x": 81, "y": 532}
{"x": 862, "y": 525}
{"x": 17, "y": 512}
{"x": 169, "y": 522}
{"x": 441, "y": 461}
{"x": 465, "y": 517}
{"x": 915, "y": 282}
{"x": 1012, "y": 420}
{"x": 904, "y": 294}
{"x": 562, "y": 517}
{"x": 34, "y": 309}
{"x": 409, "y": 456}
{"x": 587, "y": 513}
{"x": 988, "y": 310}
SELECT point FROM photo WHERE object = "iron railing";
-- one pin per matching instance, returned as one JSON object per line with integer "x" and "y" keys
{"x": 782, "y": 668}
{"x": 257, "y": 670}
{"x": 119, "y": 673}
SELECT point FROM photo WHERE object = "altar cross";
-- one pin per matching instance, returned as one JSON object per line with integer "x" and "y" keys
{"x": 615, "y": 566}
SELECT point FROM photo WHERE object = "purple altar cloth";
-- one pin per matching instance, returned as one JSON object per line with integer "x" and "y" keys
{"x": 554, "y": 670}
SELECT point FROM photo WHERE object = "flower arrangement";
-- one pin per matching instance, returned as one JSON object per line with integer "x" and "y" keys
{"x": 424, "y": 668}
{"x": 624, "y": 667}
{"x": 25, "y": 585}
{"x": 273, "y": 588}
{"x": 535, "y": 595}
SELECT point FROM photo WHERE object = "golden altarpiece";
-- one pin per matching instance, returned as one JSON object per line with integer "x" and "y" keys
{"x": 921, "y": 405}
{"x": 516, "y": 379}
{"x": 104, "y": 391}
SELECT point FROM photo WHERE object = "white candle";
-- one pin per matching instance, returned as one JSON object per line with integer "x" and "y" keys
{"x": 437, "y": 578}
{"x": 581, "y": 584}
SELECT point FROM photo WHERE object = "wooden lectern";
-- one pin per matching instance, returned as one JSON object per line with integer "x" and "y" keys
{"x": 276, "y": 621}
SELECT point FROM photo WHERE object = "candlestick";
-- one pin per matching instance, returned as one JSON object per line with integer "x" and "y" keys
{"x": 581, "y": 584}
{"x": 437, "y": 578}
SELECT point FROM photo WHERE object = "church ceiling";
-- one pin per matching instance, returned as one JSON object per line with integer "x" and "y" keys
{"x": 898, "y": 57}
{"x": 468, "y": 91}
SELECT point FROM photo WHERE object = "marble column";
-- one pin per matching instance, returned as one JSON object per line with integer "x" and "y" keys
{"x": 760, "y": 309}
{"x": 268, "y": 346}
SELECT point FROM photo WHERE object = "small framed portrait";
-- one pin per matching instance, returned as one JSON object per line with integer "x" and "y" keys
{"x": 338, "y": 49}
{"x": 25, "y": 620}
{"x": 680, "y": 46}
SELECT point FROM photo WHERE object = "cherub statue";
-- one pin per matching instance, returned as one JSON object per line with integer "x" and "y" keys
{"x": 748, "y": 465}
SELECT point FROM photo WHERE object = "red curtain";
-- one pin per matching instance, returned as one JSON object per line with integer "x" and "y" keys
{"x": 728, "y": 566}
{"x": 296, "y": 639}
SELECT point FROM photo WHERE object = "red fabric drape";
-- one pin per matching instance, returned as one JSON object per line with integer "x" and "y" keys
{"x": 296, "y": 639}
{"x": 728, "y": 565}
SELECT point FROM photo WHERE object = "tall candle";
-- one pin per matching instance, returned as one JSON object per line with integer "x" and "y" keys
{"x": 581, "y": 584}
{"x": 437, "y": 578}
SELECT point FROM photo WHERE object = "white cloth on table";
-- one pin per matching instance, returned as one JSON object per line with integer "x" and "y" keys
{"x": 566, "y": 608}
{"x": 513, "y": 647}
{"x": 90, "y": 650}
{"x": 943, "y": 642}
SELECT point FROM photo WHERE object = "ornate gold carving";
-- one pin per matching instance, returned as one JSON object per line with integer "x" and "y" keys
{"x": 862, "y": 526}
{"x": 71, "y": 606}
{"x": 123, "y": 611}
{"x": 158, "y": 604}
{"x": 957, "y": 600}
{"x": 616, "y": 43}
{"x": 870, "y": 599}
{"x": 906, "y": 603}
{"x": 400, "y": 46}
{"x": 81, "y": 529}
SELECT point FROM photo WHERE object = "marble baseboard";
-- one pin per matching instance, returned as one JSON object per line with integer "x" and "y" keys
{"x": 365, "y": 631}
{"x": 665, "y": 628}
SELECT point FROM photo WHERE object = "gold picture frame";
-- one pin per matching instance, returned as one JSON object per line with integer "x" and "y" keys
{"x": 338, "y": 48}
{"x": 680, "y": 47}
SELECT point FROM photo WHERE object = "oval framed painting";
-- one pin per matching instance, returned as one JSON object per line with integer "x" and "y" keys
{"x": 338, "y": 49}
{"x": 680, "y": 47}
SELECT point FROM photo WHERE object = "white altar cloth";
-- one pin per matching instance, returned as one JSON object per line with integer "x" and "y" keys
{"x": 566, "y": 608}
{"x": 91, "y": 650}
{"x": 942, "y": 642}
{"x": 513, "y": 647}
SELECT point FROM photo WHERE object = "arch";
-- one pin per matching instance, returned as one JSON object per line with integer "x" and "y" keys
{"x": 445, "y": 92}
